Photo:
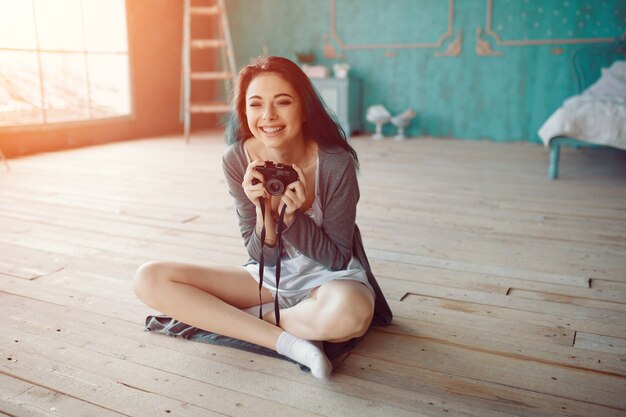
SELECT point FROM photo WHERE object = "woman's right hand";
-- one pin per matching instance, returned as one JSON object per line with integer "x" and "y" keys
{"x": 254, "y": 191}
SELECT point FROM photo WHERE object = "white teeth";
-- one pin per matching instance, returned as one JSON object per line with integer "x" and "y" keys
{"x": 271, "y": 129}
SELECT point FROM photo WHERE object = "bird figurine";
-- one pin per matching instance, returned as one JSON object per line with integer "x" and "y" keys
{"x": 401, "y": 121}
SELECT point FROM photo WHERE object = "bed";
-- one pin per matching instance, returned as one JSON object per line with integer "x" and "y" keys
{"x": 596, "y": 117}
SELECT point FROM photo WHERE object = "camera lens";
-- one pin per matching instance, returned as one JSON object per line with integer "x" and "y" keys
{"x": 274, "y": 187}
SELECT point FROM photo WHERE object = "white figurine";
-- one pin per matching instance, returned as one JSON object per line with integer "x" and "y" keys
{"x": 378, "y": 115}
{"x": 401, "y": 121}
{"x": 341, "y": 70}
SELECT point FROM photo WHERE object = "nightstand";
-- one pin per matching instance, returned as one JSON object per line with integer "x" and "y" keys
{"x": 344, "y": 97}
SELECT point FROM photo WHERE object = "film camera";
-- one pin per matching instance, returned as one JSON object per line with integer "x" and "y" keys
{"x": 277, "y": 177}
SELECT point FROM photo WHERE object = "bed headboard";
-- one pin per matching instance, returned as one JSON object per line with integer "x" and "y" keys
{"x": 587, "y": 61}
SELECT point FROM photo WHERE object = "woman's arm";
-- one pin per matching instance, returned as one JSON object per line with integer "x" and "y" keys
{"x": 234, "y": 165}
{"x": 330, "y": 245}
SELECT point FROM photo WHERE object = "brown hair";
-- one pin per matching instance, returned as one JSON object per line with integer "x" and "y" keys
{"x": 320, "y": 124}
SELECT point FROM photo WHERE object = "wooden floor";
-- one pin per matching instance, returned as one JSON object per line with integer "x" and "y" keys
{"x": 509, "y": 290}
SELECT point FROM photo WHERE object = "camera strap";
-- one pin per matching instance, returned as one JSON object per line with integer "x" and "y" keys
{"x": 261, "y": 257}
{"x": 279, "y": 249}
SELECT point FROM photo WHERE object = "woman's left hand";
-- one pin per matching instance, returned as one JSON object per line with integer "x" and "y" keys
{"x": 294, "y": 196}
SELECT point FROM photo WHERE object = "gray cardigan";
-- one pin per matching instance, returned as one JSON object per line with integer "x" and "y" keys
{"x": 336, "y": 241}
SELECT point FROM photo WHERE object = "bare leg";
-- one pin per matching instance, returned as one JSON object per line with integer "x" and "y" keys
{"x": 208, "y": 298}
{"x": 337, "y": 311}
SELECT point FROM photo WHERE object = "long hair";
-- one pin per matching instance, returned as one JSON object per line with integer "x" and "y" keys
{"x": 320, "y": 124}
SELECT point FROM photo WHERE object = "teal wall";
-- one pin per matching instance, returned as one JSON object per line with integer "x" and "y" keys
{"x": 501, "y": 98}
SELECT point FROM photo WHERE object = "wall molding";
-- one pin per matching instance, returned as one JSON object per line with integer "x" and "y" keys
{"x": 418, "y": 45}
{"x": 454, "y": 48}
{"x": 483, "y": 47}
{"x": 527, "y": 42}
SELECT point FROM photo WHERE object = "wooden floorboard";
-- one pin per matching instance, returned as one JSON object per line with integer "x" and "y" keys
{"x": 509, "y": 289}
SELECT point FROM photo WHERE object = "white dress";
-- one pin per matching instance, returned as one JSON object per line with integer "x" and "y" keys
{"x": 299, "y": 274}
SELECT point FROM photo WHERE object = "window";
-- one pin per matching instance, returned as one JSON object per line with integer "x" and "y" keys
{"x": 63, "y": 61}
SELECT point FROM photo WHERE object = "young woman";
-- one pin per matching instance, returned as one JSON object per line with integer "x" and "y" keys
{"x": 326, "y": 292}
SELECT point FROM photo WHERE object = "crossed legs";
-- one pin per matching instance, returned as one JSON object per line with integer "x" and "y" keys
{"x": 211, "y": 298}
{"x": 208, "y": 298}
{"x": 337, "y": 311}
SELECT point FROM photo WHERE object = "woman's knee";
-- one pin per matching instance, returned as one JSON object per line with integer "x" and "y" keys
{"x": 359, "y": 314}
{"x": 148, "y": 279}
{"x": 348, "y": 312}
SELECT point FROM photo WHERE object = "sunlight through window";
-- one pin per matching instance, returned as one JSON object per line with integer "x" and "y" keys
{"x": 63, "y": 61}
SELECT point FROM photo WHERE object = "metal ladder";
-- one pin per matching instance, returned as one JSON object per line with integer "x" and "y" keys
{"x": 189, "y": 77}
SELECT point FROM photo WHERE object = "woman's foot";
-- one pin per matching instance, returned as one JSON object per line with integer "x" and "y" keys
{"x": 305, "y": 352}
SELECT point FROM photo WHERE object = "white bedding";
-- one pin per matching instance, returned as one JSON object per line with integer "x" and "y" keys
{"x": 597, "y": 116}
{"x": 591, "y": 118}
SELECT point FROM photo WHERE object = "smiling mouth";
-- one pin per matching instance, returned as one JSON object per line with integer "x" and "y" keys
{"x": 272, "y": 129}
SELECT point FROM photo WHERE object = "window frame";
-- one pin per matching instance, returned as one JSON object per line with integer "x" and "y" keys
{"x": 87, "y": 122}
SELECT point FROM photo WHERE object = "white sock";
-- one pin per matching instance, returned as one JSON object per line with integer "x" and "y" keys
{"x": 254, "y": 310}
{"x": 306, "y": 353}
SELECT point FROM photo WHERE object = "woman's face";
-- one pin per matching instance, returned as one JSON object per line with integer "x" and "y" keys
{"x": 273, "y": 110}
